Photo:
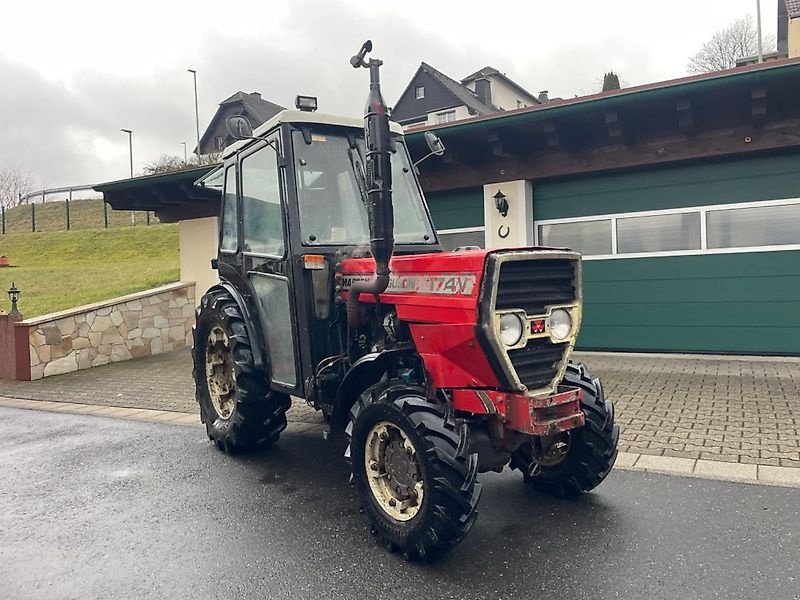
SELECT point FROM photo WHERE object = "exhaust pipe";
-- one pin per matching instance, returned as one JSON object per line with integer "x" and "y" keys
{"x": 379, "y": 187}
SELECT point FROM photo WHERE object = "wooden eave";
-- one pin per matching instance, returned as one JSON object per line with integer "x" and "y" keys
{"x": 172, "y": 196}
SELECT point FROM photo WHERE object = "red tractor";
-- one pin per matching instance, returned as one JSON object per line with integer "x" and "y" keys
{"x": 436, "y": 365}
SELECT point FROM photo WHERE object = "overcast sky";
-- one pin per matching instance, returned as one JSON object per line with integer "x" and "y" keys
{"x": 73, "y": 73}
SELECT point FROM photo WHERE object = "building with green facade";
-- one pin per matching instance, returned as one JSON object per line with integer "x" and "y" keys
{"x": 683, "y": 197}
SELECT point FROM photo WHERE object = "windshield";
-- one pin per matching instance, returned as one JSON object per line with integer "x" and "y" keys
{"x": 331, "y": 209}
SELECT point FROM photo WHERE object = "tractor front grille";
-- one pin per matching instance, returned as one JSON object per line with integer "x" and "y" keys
{"x": 537, "y": 364}
{"x": 535, "y": 284}
{"x": 534, "y": 281}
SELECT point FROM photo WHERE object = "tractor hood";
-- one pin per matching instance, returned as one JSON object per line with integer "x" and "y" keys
{"x": 448, "y": 282}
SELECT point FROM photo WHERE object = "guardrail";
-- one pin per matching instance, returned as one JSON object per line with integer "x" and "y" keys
{"x": 60, "y": 190}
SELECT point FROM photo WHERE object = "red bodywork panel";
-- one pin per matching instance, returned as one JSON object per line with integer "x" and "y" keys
{"x": 544, "y": 415}
{"x": 426, "y": 306}
{"x": 436, "y": 295}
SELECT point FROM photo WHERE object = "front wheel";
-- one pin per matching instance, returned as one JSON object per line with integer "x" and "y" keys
{"x": 412, "y": 469}
{"x": 578, "y": 460}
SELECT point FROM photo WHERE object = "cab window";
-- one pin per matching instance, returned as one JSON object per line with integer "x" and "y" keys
{"x": 261, "y": 204}
{"x": 229, "y": 212}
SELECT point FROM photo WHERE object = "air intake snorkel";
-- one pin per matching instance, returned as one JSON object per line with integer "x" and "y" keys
{"x": 379, "y": 186}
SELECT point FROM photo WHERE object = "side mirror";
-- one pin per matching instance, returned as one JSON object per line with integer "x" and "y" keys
{"x": 239, "y": 127}
{"x": 435, "y": 143}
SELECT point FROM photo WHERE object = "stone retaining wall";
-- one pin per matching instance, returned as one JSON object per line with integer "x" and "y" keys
{"x": 133, "y": 326}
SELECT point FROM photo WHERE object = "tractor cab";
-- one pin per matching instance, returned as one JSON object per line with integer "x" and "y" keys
{"x": 294, "y": 205}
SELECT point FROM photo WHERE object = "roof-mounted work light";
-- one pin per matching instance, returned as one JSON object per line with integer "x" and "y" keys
{"x": 306, "y": 103}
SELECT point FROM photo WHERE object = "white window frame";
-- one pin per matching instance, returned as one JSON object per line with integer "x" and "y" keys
{"x": 703, "y": 210}
{"x": 419, "y": 92}
{"x": 440, "y": 116}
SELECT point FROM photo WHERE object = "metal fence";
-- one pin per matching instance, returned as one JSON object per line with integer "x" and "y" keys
{"x": 36, "y": 213}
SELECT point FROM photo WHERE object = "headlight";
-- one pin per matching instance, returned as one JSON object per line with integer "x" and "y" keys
{"x": 511, "y": 327}
{"x": 560, "y": 324}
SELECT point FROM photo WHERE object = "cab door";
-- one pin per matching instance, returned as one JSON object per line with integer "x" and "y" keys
{"x": 265, "y": 258}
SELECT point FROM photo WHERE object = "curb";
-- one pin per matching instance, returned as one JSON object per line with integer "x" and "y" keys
{"x": 710, "y": 469}
{"x": 626, "y": 461}
{"x": 133, "y": 414}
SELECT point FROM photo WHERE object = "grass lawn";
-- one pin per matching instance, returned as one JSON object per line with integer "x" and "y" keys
{"x": 63, "y": 269}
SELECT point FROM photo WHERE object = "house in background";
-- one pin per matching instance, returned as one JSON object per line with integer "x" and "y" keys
{"x": 433, "y": 98}
{"x": 251, "y": 105}
{"x": 499, "y": 90}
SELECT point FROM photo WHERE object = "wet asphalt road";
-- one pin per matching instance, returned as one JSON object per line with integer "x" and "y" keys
{"x": 99, "y": 508}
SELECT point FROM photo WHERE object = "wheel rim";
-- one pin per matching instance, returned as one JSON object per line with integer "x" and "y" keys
{"x": 219, "y": 373}
{"x": 393, "y": 471}
{"x": 554, "y": 450}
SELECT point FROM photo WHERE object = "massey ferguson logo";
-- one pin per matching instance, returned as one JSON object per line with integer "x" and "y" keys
{"x": 537, "y": 326}
{"x": 449, "y": 284}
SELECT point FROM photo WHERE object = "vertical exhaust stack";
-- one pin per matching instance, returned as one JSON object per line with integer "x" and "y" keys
{"x": 379, "y": 186}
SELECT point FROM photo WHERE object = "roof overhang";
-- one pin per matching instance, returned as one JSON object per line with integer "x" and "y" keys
{"x": 172, "y": 196}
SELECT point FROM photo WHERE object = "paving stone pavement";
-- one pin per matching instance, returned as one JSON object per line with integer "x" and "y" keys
{"x": 733, "y": 409}
{"x": 730, "y": 409}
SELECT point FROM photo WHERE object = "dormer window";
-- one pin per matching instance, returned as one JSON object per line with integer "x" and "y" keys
{"x": 419, "y": 92}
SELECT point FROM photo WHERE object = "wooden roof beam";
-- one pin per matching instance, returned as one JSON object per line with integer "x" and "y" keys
{"x": 497, "y": 146}
{"x": 550, "y": 134}
{"x": 685, "y": 115}
{"x": 758, "y": 104}
{"x": 613, "y": 124}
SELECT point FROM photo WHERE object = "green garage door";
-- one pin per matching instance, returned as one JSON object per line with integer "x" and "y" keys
{"x": 700, "y": 258}
{"x": 458, "y": 217}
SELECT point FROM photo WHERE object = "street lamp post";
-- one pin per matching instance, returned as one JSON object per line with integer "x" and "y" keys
{"x": 185, "y": 155}
{"x": 196, "y": 113}
{"x": 130, "y": 146}
{"x": 758, "y": 20}
{"x": 130, "y": 153}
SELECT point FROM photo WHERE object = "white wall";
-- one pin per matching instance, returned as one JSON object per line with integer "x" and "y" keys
{"x": 515, "y": 230}
{"x": 794, "y": 37}
{"x": 198, "y": 245}
{"x": 461, "y": 113}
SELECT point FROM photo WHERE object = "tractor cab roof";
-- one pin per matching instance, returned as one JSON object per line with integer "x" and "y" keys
{"x": 299, "y": 116}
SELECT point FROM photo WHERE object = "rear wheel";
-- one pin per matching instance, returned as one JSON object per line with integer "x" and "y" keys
{"x": 239, "y": 410}
{"x": 412, "y": 469}
{"x": 578, "y": 460}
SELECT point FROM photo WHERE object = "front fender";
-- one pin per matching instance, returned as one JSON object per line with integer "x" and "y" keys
{"x": 365, "y": 372}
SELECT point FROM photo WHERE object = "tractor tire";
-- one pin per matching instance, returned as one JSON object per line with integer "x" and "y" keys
{"x": 412, "y": 469}
{"x": 590, "y": 451}
{"x": 239, "y": 410}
